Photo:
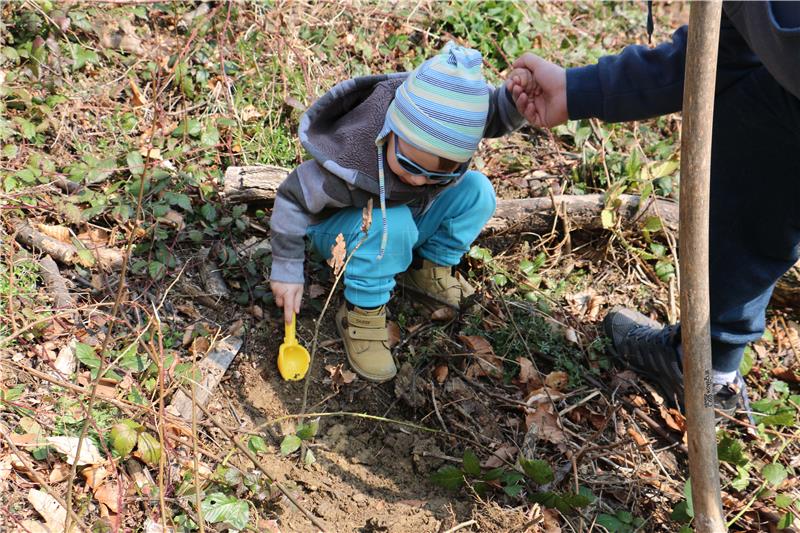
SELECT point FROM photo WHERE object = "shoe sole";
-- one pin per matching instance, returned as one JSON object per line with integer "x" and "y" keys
{"x": 366, "y": 375}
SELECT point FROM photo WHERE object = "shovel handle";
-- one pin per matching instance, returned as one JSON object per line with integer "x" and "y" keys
{"x": 289, "y": 331}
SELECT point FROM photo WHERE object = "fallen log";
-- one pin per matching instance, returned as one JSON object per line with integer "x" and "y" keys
{"x": 534, "y": 215}
{"x": 64, "y": 253}
{"x": 537, "y": 215}
{"x": 260, "y": 184}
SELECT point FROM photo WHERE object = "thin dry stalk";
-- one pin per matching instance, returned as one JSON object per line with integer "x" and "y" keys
{"x": 367, "y": 217}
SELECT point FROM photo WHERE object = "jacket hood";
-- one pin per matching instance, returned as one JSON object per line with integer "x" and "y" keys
{"x": 340, "y": 129}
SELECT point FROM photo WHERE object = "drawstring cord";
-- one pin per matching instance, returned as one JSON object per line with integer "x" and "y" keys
{"x": 650, "y": 25}
{"x": 382, "y": 187}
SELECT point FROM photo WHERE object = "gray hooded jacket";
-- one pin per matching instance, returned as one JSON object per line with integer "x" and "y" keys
{"x": 339, "y": 131}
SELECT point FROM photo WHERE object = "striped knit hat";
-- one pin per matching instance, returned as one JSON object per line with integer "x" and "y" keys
{"x": 441, "y": 107}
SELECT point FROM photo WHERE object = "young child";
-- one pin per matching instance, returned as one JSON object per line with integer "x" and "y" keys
{"x": 405, "y": 139}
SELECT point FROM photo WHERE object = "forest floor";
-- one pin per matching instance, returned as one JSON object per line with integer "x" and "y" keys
{"x": 117, "y": 123}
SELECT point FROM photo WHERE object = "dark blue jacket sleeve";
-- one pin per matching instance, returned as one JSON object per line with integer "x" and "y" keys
{"x": 644, "y": 82}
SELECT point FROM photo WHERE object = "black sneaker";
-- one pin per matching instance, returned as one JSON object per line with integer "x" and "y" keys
{"x": 651, "y": 350}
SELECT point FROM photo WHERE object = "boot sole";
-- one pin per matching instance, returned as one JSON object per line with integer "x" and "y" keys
{"x": 366, "y": 375}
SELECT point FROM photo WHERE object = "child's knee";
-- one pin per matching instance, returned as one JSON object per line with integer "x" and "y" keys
{"x": 481, "y": 190}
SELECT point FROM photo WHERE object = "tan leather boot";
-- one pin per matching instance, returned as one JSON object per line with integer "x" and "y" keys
{"x": 366, "y": 341}
{"x": 437, "y": 283}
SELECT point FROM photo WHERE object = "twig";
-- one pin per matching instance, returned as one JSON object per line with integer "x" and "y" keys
{"x": 315, "y": 338}
{"x": 36, "y": 477}
{"x": 200, "y": 521}
{"x": 462, "y": 525}
{"x": 436, "y": 407}
{"x": 250, "y": 455}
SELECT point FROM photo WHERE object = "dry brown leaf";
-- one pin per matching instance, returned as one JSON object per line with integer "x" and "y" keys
{"x": 249, "y": 112}
{"x": 174, "y": 219}
{"x": 138, "y": 99}
{"x": 551, "y": 524}
{"x": 443, "y": 314}
{"x": 542, "y": 394}
{"x": 60, "y": 233}
{"x": 624, "y": 381}
{"x": 394, "y": 333}
{"x": 90, "y": 455}
{"x": 527, "y": 373}
{"x": 47, "y": 506}
{"x": 544, "y": 424}
{"x": 94, "y": 475}
{"x": 637, "y": 437}
{"x": 33, "y": 526}
{"x": 366, "y": 217}
{"x": 338, "y": 254}
{"x": 200, "y": 347}
{"x": 786, "y": 374}
{"x": 151, "y": 153}
{"x": 440, "y": 373}
{"x": 108, "y": 495}
{"x": 315, "y": 291}
{"x": 674, "y": 418}
{"x": 5, "y": 468}
{"x": 65, "y": 362}
{"x": 340, "y": 375}
{"x": 557, "y": 380}
{"x": 506, "y": 452}
{"x": 59, "y": 473}
{"x": 476, "y": 344}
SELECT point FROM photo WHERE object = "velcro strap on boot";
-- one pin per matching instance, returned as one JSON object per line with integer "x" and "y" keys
{"x": 366, "y": 327}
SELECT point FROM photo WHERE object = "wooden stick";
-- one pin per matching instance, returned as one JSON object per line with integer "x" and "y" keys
{"x": 698, "y": 114}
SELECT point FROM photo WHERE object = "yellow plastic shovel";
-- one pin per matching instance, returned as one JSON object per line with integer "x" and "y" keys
{"x": 293, "y": 359}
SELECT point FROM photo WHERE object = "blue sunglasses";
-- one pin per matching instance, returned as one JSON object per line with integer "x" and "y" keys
{"x": 413, "y": 168}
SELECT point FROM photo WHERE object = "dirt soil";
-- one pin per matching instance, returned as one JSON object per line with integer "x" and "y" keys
{"x": 368, "y": 476}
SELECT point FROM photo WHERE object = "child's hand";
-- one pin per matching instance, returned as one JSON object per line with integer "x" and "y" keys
{"x": 288, "y": 296}
{"x": 520, "y": 81}
{"x": 540, "y": 92}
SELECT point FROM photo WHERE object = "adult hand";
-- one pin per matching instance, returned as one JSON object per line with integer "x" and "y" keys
{"x": 539, "y": 89}
{"x": 288, "y": 296}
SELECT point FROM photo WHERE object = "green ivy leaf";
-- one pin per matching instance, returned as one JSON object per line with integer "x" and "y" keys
{"x": 131, "y": 360}
{"x": 539, "y": 471}
{"x": 124, "y": 436}
{"x": 742, "y": 479}
{"x": 257, "y": 444}
{"x": 471, "y": 464}
{"x": 786, "y": 521}
{"x": 611, "y": 523}
{"x": 156, "y": 269}
{"x": 448, "y": 477}
{"x": 209, "y": 212}
{"x": 308, "y": 431}
{"x": 291, "y": 443}
{"x": 782, "y": 501}
{"x": 135, "y": 163}
{"x": 82, "y": 56}
{"x": 87, "y": 356}
{"x": 731, "y": 451}
{"x": 148, "y": 449}
{"x": 218, "y": 507}
{"x": 747, "y": 361}
{"x": 774, "y": 474}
